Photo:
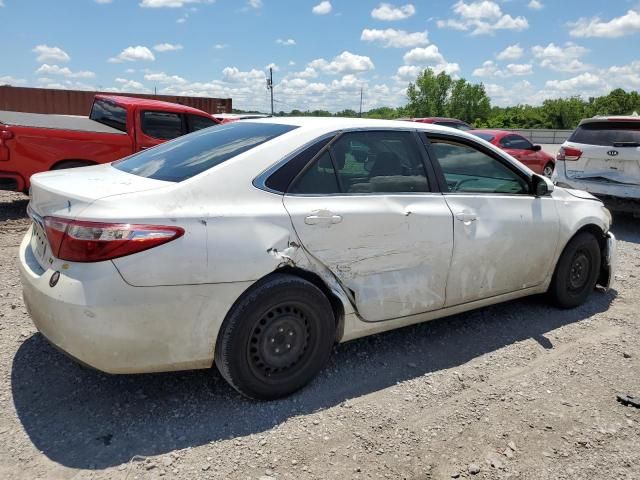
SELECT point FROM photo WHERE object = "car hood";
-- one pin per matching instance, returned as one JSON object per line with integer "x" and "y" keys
{"x": 559, "y": 192}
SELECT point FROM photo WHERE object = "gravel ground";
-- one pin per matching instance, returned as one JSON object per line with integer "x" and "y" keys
{"x": 519, "y": 390}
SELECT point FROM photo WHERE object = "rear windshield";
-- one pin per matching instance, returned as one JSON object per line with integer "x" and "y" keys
{"x": 485, "y": 136}
{"x": 192, "y": 154}
{"x": 608, "y": 134}
{"x": 109, "y": 114}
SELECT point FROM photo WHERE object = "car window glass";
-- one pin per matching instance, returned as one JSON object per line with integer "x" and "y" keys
{"x": 198, "y": 122}
{"x": 319, "y": 178}
{"x": 467, "y": 169}
{"x": 608, "y": 133}
{"x": 516, "y": 142}
{"x": 162, "y": 125}
{"x": 379, "y": 162}
{"x": 109, "y": 113}
{"x": 485, "y": 136}
{"x": 187, "y": 156}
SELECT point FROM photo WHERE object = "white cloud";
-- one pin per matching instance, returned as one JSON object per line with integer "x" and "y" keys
{"x": 220, "y": 46}
{"x": 50, "y": 54}
{"x": 512, "y": 52}
{"x": 387, "y": 12}
{"x": 323, "y": 8}
{"x": 8, "y": 79}
{"x": 418, "y": 58}
{"x": 170, "y": 3}
{"x": 2, "y": 5}
{"x": 427, "y": 55}
{"x": 233, "y": 74}
{"x": 167, "y": 47}
{"x": 165, "y": 79}
{"x": 308, "y": 72}
{"x": 614, "y": 28}
{"x": 134, "y": 54}
{"x": 535, "y": 5}
{"x": 344, "y": 63}
{"x": 256, "y": 4}
{"x": 46, "y": 69}
{"x": 287, "y": 43}
{"x": 272, "y": 66}
{"x": 103, "y": 2}
{"x": 585, "y": 82}
{"x": 127, "y": 85}
{"x": 482, "y": 17}
{"x": 560, "y": 59}
{"x": 625, "y": 76}
{"x": 491, "y": 69}
{"x": 394, "y": 38}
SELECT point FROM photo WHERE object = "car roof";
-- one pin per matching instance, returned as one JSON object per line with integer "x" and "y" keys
{"x": 436, "y": 119}
{"x": 147, "y": 102}
{"x": 495, "y": 132}
{"x": 611, "y": 118}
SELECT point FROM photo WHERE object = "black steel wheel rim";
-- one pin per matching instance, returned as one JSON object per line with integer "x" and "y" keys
{"x": 280, "y": 342}
{"x": 579, "y": 270}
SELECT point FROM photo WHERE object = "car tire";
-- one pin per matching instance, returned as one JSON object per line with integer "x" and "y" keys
{"x": 276, "y": 338}
{"x": 576, "y": 272}
{"x": 547, "y": 171}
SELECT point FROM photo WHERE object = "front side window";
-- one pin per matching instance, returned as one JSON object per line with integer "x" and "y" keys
{"x": 516, "y": 142}
{"x": 467, "y": 169}
{"x": 162, "y": 125}
{"x": 109, "y": 113}
{"x": 188, "y": 156}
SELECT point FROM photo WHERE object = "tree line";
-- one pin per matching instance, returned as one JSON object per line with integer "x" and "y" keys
{"x": 440, "y": 95}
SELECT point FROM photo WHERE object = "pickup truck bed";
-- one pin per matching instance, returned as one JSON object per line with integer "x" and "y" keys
{"x": 60, "y": 122}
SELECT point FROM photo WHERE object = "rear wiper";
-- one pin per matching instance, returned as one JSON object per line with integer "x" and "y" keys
{"x": 626, "y": 144}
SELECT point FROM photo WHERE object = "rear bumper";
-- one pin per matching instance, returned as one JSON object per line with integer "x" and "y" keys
{"x": 97, "y": 318}
{"x": 616, "y": 196}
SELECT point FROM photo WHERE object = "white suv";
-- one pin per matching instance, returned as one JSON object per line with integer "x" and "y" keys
{"x": 602, "y": 156}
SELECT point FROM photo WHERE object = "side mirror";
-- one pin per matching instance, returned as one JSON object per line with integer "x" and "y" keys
{"x": 542, "y": 186}
{"x": 536, "y": 148}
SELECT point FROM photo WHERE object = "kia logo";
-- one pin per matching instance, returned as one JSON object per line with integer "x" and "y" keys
{"x": 612, "y": 153}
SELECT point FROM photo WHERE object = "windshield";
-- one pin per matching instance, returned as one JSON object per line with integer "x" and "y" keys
{"x": 109, "y": 113}
{"x": 192, "y": 154}
{"x": 485, "y": 136}
{"x": 608, "y": 134}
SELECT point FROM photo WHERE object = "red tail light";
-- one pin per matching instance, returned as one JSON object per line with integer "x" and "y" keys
{"x": 80, "y": 241}
{"x": 6, "y": 135}
{"x": 569, "y": 154}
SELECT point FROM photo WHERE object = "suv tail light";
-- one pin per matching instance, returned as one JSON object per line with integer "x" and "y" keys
{"x": 80, "y": 241}
{"x": 569, "y": 154}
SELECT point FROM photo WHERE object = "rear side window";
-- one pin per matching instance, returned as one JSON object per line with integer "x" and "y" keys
{"x": 198, "y": 122}
{"x": 319, "y": 178}
{"x": 484, "y": 136}
{"x": 188, "y": 156}
{"x": 109, "y": 113}
{"x": 516, "y": 142}
{"x": 608, "y": 134}
{"x": 162, "y": 125}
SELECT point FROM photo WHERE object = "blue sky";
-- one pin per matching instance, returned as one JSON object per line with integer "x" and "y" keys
{"x": 322, "y": 52}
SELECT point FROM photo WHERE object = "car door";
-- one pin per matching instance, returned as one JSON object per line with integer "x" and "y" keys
{"x": 365, "y": 210}
{"x": 504, "y": 237}
{"x": 156, "y": 127}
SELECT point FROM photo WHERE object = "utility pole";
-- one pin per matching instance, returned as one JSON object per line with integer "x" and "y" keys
{"x": 361, "y": 101}
{"x": 270, "y": 86}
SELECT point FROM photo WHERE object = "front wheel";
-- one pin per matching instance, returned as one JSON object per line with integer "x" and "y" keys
{"x": 576, "y": 272}
{"x": 276, "y": 338}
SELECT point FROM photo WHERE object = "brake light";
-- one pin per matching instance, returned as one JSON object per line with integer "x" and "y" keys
{"x": 569, "y": 154}
{"x": 6, "y": 135}
{"x": 80, "y": 241}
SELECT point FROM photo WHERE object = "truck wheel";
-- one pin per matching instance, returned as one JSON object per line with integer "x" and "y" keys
{"x": 576, "y": 272}
{"x": 276, "y": 338}
{"x": 70, "y": 164}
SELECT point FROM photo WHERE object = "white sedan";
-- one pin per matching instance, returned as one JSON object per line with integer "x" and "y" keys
{"x": 259, "y": 244}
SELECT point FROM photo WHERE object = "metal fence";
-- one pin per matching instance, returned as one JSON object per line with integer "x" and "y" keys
{"x": 543, "y": 135}
{"x": 78, "y": 102}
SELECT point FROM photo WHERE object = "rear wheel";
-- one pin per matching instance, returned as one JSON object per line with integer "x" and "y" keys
{"x": 548, "y": 170}
{"x": 576, "y": 272}
{"x": 276, "y": 338}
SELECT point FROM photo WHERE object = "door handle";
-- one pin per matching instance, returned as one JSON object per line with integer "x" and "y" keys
{"x": 322, "y": 219}
{"x": 466, "y": 217}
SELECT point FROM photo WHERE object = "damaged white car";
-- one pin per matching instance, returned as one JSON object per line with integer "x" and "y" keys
{"x": 602, "y": 156}
{"x": 257, "y": 245}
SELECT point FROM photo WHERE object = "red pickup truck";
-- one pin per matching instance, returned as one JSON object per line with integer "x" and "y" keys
{"x": 116, "y": 127}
